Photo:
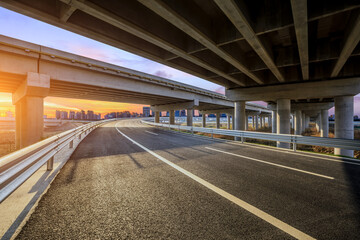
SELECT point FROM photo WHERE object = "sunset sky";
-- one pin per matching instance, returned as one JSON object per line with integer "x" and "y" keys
{"x": 21, "y": 27}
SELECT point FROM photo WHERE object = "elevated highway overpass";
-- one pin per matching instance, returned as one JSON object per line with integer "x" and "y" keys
{"x": 32, "y": 72}
{"x": 280, "y": 51}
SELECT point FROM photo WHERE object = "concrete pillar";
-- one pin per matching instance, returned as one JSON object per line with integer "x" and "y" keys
{"x": 273, "y": 124}
{"x": 269, "y": 121}
{"x": 283, "y": 120}
{"x": 228, "y": 121}
{"x": 256, "y": 122}
{"x": 172, "y": 117}
{"x": 261, "y": 121}
{"x": 324, "y": 130}
{"x": 29, "y": 109}
{"x": 233, "y": 122}
{"x": 240, "y": 115}
{"x": 344, "y": 125}
{"x": 307, "y": 121}
{"x": 157, "y": 117}
{"x": 218, "y": 115}
{"x": 189, "y": 117}
{"x": 298, "y": 120}
{"x": 264, "y": 122}
{"x": 318, "y": 122}
{"x": 203, "y": 120}
{"x": 303, "y": 125}
{"x": 253, "y": 121}
{"x": 246, "y": 123}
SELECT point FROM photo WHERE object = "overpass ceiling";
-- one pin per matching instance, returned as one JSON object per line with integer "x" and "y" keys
{"x": 231, "y": 43}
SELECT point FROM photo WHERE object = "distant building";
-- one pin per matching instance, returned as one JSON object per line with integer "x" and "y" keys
{"x": 146, "y": 111}
{"x": 63, "y": 115}
{"x": 90, "y": 115}
{"x": 58, "y": 114}
{"x": 83, "y": 115}
{"x": 177, "y": 113}
{"x": 183, "y": 113}
{"x": 72, "y": 115}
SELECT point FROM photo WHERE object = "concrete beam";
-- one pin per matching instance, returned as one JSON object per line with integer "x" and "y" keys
{"x": 299, "y": 12}
{"x": 352, "y": 40}
{"x": 65, "y": 12}
{"x": 311, "y": 106}
{"x": 304, "y": 90}
{"x": 176, "y": 106}
{"x": 129, "y": 27}
{"x": 237, "y": 17}
{"x": 171, "y": 16}
{"x": 35, "y": 85}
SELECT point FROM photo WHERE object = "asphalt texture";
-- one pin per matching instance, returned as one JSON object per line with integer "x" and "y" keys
{"x": 113, "y": 189}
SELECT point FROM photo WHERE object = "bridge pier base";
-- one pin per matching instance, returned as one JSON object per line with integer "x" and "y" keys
{"x": 298, "y": 121}
{"x": 256, "y": 122}
{"x": 344, "y": 126}
{"x": 246, "y": 122}
{"x": 203, "y": 120}
{"x": 29, "y": 109}
{"x": 283, "y": 120}
{"x": 273, "y": 124}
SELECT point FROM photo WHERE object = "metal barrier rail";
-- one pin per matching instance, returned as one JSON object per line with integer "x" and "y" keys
{"x": 288, "y": 138}
{"x": 17, "y": 167}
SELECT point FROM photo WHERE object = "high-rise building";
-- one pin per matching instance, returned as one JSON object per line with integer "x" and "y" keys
{"x": 183, "y": 113}
{"x": 90, "y": 115}
{"x": 58, "y": 114}
{"x": 146, "y": 111}
{"x": 177, "y": 113}
{"x": 83, "y": 115}
{"x": 63, "y": 115}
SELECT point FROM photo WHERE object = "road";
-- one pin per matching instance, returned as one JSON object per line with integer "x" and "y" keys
{"x": 127, "y": 180}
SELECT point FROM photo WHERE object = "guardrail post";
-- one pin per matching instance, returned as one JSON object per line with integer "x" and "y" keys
{"x": 71, "y": 144}
{"x": 50, "y": 164}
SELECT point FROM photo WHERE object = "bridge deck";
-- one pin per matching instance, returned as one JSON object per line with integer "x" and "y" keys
{"x": 113, "y": 188}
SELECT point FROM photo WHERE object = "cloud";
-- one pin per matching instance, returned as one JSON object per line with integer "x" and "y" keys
{"x": 163, "y": 74}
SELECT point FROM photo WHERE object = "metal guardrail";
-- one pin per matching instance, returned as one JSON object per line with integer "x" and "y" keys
{"x": 17, "y": 167}
{"x": 287, "y": 138}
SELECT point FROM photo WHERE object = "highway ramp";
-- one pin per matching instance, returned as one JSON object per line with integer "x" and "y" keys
{"x": 127, "y": 180}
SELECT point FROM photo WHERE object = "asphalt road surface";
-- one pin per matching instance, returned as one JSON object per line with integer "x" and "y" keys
{"x": 127, "y": 180}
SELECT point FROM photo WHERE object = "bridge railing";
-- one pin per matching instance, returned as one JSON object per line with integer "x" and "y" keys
{"x": 287, "y": 138}
{"x": 17, "y": 167}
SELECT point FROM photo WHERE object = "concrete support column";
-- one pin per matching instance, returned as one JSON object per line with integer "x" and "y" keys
{"x": 218, "y": 115}
{"x": 298, "y": 120}
{"x": 318, "y": 122}
{"x": 324, "y": 130}
{"x": 273, "y": 124}
{"x": 203, "y": 120}
{"x": 233, "y": 122}
{"x": 157, "y": 117}
{"x": 307, "y": 121}
{"x": 264, "y": 122}
{"x": 29, "y": 109}
{"x": 189, "y": 117}
{"x": 344, "y": 125}
{"x": 261, "y": 121}
{"x": 228, "y": 121}
{"x": 303, "y": 124}
{"x": 240, "y": 115}
{"x": 283, "y": 120}
{"x": 256, "y": 122}
{"x": 246, "y": 122}
{"x": 172, "y": 117}
{"x": 253, "y": 121}
{"x": 269, "y": 121}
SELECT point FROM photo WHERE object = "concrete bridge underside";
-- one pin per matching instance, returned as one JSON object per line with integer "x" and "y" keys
{"x": 279, "y": 51}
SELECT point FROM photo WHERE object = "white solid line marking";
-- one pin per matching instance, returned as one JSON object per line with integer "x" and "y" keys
{"x": 310, "y": 155}
{"x": 270, "y": 163}
{"x": 257, "y": 212}
{"x": 151, "y": 133}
